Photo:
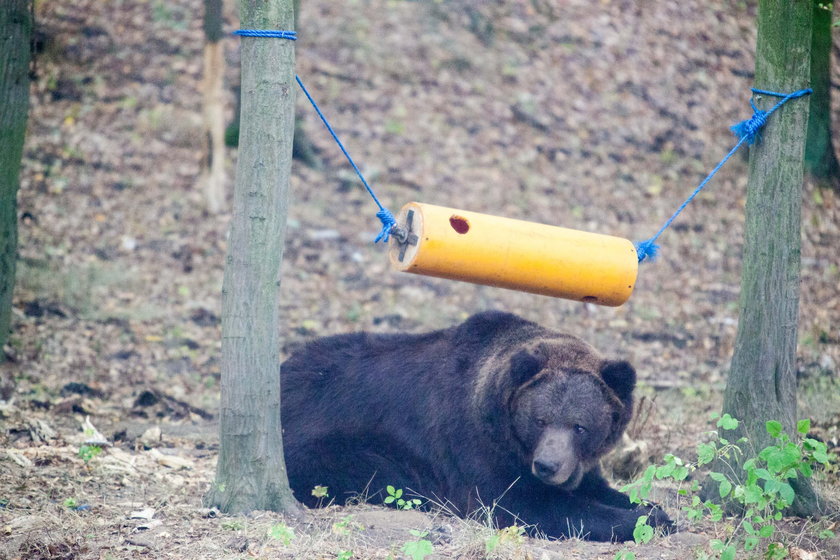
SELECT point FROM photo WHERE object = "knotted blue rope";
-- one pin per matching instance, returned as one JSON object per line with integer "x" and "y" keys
{"x": 748, "y": 132}
{"x": 385, "y": 216}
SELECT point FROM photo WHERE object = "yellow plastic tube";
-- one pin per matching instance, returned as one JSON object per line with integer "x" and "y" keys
{"x": 514, "y": 254}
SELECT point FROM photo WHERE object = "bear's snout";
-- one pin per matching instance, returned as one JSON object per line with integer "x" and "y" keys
{"x": 545, "y": 470}
{"x": 554, "y": 461}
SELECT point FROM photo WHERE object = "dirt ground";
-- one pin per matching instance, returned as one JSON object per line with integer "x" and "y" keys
{"x": 599, "y": 116}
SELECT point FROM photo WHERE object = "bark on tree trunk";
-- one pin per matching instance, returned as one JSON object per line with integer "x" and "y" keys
{"x": 15, "y": 33}
{"x": 213, "y": 174}
{"x": 820, "y": 159}
{"x": 251, "y": 472}
{"x": 762, "y": 380}
{"x": 303, "y": 149}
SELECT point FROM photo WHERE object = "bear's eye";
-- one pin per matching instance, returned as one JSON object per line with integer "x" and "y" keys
{"x": 580, "y": 430}
{"x": 541, "y": 422}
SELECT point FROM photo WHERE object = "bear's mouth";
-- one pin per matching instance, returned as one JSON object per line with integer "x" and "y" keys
{"x": 565, "y": 481}
{"x": 573, "y": 481}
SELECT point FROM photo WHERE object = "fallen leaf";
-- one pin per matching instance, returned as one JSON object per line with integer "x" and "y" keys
{"x": 171, "y": 461}
{"x": 146, "y": 513}
{"x": 797, "y": 553}
{"x": 19, "y": 459}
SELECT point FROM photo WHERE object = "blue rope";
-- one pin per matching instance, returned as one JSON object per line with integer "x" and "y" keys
{"x": 290, "y": 35}
{"x": 748, "y": 132}
{"x": 385, "y": 216}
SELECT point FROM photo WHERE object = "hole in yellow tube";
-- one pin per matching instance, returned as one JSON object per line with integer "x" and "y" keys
{"x": 590, "y": 299}
{"x": 459, "y": 224}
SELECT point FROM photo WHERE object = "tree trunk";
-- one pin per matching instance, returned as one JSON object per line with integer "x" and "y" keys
{"x": 15, "y": 32}
{"x": 762, "y": 380}
{"x": 303, "y": 149}
{"x": 213, "y": 174}
{"x": 820, "y": 158}
{"x": 251, "y": 472}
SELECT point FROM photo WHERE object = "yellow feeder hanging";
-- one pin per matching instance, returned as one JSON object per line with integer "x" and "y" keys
{"x": 520, "y": 255}
{"x": 515, "y": 254}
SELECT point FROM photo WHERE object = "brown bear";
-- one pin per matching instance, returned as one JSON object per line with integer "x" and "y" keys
{"x": 497, "y": 412}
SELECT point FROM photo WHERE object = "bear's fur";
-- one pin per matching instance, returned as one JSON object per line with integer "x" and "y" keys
{"x": 497, "y": 411}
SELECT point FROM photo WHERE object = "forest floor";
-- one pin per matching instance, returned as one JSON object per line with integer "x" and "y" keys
{"x": 598, "y": 116}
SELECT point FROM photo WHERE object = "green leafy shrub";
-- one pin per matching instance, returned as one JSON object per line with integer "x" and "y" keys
{"x": 282, "y": 533}
{"x": 420, "y": 548}
{"x": 762, "y": 490}
{"x": 395, "y": 497}
{"x": 88, "y": 452}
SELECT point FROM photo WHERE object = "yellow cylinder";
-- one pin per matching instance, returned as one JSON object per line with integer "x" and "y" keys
{"x": 514, "y": 254}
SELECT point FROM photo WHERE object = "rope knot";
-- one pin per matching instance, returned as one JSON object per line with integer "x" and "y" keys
{"x": 647, "y": 250}
{"x": 388, "y": 222}
{"x": 747, "y": 131}
{"x": 750, "y": 129}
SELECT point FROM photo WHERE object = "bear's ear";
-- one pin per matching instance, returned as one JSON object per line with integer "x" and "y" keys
{"x": 526, "y": 364}
{"x": 620, "y": 377}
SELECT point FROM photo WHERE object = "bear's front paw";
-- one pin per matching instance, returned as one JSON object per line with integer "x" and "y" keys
{"x": 657, "y": 518}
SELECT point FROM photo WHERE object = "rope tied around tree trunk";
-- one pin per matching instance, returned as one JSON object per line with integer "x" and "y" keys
{"x": 290, "y": 35}
{"x": 385, "y": 216}
{"x": 748, "y": 132}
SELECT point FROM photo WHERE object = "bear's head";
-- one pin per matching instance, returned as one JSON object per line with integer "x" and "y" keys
{"x": 567, "y": 408}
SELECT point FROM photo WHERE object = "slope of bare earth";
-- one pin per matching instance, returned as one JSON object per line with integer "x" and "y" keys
{"x": 599, "y": 116}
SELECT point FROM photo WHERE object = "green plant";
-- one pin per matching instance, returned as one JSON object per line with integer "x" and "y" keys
{"x": 346, "y": 526}
{"x": 233, "y": 525}
{"x": 70, "y": 503}
{"x": 320, "y": 492}
{"x": 514, "y": 535}
{"x": 420, "y": 548}
{"x": 394, "y": 127}
{"x": 344, "y": 555}
{"x": 762, "y": 489}
{"x": 282, "y": 533}
{"x": 825, "y": 534}
{"x": 395, "y": 497}
{"x": 88, "y": 452}
{"x": 642, "y": 534}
